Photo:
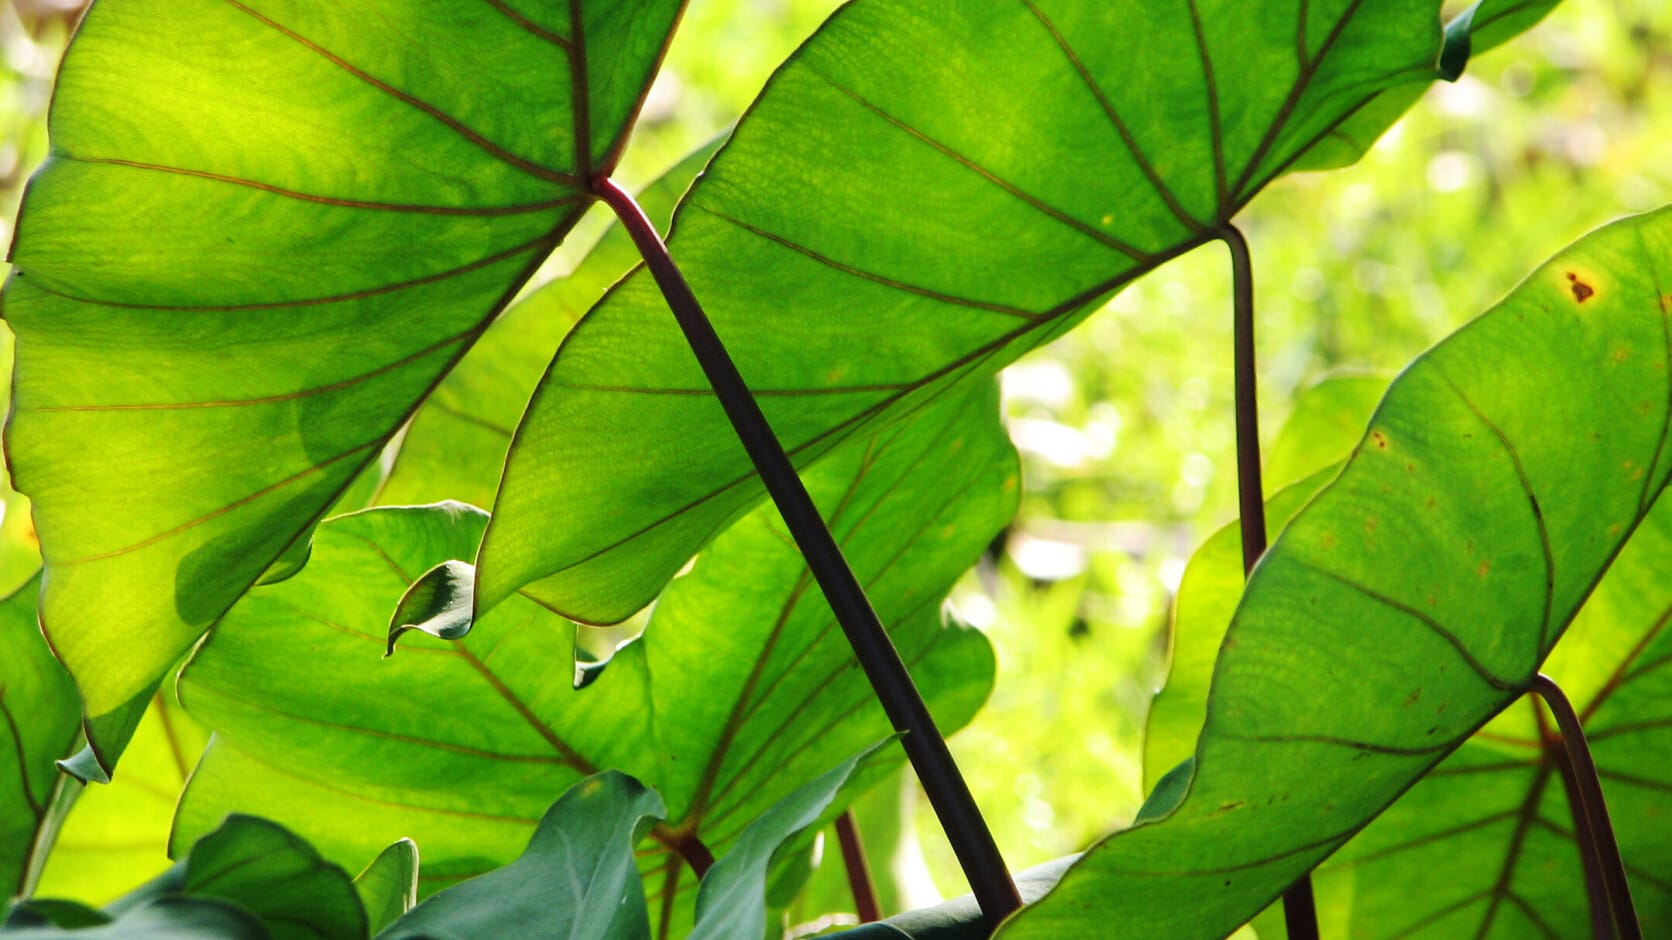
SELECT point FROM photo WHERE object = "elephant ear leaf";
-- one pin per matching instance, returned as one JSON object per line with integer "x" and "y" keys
{"x": 1416, "y": 597}
{"x": 266, "y": 231}
{"x": 924, "y": 192}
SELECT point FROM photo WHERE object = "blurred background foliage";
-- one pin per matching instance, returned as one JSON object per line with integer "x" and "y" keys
{"x": 1125, "y": 425}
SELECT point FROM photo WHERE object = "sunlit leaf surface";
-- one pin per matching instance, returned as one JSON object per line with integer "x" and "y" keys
{"x": 265, "y": 232}
{"x": 1417, "y": 596}
{"x": 925, "y": 191}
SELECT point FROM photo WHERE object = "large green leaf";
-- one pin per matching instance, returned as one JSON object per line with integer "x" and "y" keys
{"x": 925, "y": 191}
{"x": 576, "y": 878}
{"x": 39, "y": 725}
{"x": 1416, "y": 597}
{"x": 266, "y": 230}
{"x": 455, "y": 445}
{"x": 742, "y": 688}
{"x": 1483, "y": 845}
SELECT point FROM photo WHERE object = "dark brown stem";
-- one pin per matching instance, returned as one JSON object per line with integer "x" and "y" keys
{"x": 1300, "y": 912}
{"x": 1596, "y": 892}
{"x": 972, "y": 842}
{"x": 859, "y": 870}
{"x": 1588, "y": 786}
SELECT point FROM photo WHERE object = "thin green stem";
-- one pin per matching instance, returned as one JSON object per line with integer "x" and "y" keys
{"x": 972, "y": 842}
{"x": 1588, "y": 786}
{"x": 1300, "y": 913}
{"x": 859, "y": 869}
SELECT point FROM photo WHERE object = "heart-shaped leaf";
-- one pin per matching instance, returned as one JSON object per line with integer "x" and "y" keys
{"x": 924, "y": 192}
{"x": 1416, "y": 597}
{"x": 742, "y": 688}
{"x": 577, "y": 877}
{"x": 266, "y": 231}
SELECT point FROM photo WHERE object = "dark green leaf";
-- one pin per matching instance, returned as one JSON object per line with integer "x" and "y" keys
{"x": 1416, "y": 597}
{"x": 576, "y": 878}
{"x": 269, "y": 872}
{"x": 238, "y": 274}
{"x": 40, "y": 719}
{"x": 886, "y": 223}
{"x": 54, "y": 913}
{"x": 438, "y": 603}
{"x": 163, "y": 918}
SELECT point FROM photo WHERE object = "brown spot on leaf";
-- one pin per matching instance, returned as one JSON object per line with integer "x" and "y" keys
{"x": 1370, "y": 524}
{"x": 1581, "y": 290}
{"x": 1413, "y": 698}
{"x": 1482, "y": 568}
{"x": 1379, "y": 439}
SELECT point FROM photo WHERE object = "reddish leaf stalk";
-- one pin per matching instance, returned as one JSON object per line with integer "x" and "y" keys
{"x": 1596, "y": 892}
{"x": 972, "y": 842}
{"x": 859, "y": 869}
{"x": 1588, "y": 786}
{"x": 1300, "y": 913}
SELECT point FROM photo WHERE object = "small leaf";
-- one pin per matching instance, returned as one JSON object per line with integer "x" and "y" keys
{"x": 388, "y": 887}
{"x": 438, "y": 603}
{"x": 577, "y": 878}
{"x": 732, "y": 901}
{"x": 1169, "y": 792}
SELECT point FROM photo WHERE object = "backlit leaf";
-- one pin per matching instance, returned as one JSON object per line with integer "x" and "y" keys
{"x": 266, "y": 230}
{"x": 1416, "y": 597}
